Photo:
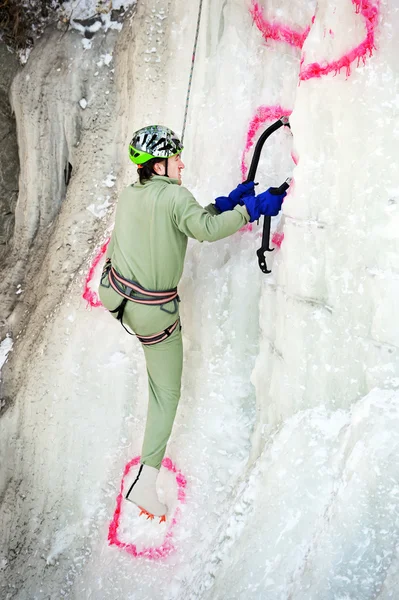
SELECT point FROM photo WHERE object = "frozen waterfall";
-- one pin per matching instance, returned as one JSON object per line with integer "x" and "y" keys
{"x": 282, "y": 471}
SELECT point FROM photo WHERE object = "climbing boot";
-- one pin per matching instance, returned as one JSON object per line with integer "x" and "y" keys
{"x": 143, "y": 493}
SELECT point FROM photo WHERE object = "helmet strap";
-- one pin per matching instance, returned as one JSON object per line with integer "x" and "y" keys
{"x": 166, "y": 168}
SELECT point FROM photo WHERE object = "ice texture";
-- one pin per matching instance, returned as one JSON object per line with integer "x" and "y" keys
{"x": 287, "y": 432}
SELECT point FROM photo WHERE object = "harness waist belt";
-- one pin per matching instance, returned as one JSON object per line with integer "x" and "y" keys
{"x": 129, "y": 289}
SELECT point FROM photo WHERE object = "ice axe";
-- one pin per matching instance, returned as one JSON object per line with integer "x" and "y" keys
{"x": 265, "y": 247}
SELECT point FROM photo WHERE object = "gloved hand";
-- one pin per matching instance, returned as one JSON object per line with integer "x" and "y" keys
{"x": 235, "y": 197}
{"x": 268, "y": 203}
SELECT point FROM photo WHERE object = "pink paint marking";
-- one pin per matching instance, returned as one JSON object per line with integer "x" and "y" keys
{"x": 370, "y": 12}
{"x": 247, "y": 227}
{"x": 88, "y": 294}
{"x": 280, "y": 33}
{"x": 263, "y": 114}
{"x": 277, "y": 31}
{"x": 167, "y": 547}
{"x": 277, "y": 238}
{"x": 295, "y": 38}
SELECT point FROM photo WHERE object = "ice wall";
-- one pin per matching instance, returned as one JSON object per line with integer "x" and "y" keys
{"x": 337, "y": 269}
{"x": 290, "y": 482}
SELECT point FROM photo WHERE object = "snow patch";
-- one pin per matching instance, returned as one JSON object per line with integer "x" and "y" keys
{"x": 109, "y": 181}
{"x": 107, "y": 59}
{"x": 5, "y": 348}
{"x": 116, "y": 359}
{"x": 91, "y": 16}
{"x": 86, "y": 44}
{"x": 99, "y": 210}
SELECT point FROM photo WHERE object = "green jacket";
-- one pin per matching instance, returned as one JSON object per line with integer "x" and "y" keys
{"x": 152, "y": 224}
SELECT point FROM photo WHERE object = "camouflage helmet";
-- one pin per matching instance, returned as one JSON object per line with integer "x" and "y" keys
{"x": 153, "y": 141}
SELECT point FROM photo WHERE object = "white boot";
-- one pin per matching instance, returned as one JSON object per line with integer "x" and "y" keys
{"x": 143, "y": 492}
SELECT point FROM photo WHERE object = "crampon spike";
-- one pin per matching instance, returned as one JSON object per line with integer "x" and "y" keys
{"x": 146, "y": 513}
{"x": 150, "y": 516}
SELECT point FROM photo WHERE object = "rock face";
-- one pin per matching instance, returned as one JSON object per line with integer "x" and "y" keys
{"x": 63, "y": 102}
{"x": 9, "y": 162}
{"x": 67, "y": 148}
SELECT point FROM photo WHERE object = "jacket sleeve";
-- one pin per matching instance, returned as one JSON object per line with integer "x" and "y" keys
{"x": 199, "y": 223}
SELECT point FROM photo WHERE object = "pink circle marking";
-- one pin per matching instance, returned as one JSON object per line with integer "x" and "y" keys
{"x": 167, "y": 547}
{"x": 263, "y": 114}
{"x": 370, "y": 13}
{"x": 282, "y": 33}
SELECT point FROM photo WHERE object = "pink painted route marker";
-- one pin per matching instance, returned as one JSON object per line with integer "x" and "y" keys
{"x": 277, "y": 238}
{"x": 275, "y": 30}
{"x": 263, "y": 114}
{"x": 280, "y": 32}
{"x": 166, "y": 547}
{"x": 370, "y": 12}
{"x": 88, "y": 294}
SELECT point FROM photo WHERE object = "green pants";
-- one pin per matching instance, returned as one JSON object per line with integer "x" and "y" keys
{"x": 164, "y": 368}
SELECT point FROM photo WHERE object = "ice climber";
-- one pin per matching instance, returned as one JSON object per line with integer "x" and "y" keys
{"x": 144, "y": 264}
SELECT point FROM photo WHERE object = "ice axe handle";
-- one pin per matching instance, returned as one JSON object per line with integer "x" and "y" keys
{"x": 283, "y": 187}
{"x": 283, "y": 121}
{"x": 259, "y": 145}
{"x": 265, "y": 247}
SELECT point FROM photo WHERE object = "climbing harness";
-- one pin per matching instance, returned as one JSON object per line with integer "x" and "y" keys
{"x": 133, "y": 291}
{"x": 265, "y": 247}
{"x": 191, "y": 70}
{"x": 126, "y": 288}
{"x": 156, "y": 338}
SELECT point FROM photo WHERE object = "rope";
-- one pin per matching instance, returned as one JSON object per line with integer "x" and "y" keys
{"x": 192, "y": 69}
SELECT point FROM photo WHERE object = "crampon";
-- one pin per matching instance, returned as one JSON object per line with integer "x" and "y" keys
{"x": 150, "y": 515}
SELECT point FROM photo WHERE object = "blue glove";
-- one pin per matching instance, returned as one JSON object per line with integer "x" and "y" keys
{"x": 235, "y": 197}
{"x": 268, "y": 203}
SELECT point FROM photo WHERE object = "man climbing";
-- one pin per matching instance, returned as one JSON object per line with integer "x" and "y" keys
{"x": 144, "y": 264}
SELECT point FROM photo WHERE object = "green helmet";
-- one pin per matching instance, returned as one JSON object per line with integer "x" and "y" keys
{"x": 153, "y": 141}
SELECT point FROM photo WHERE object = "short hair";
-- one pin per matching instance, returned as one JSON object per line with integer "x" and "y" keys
{"x": 146, "y": 170}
